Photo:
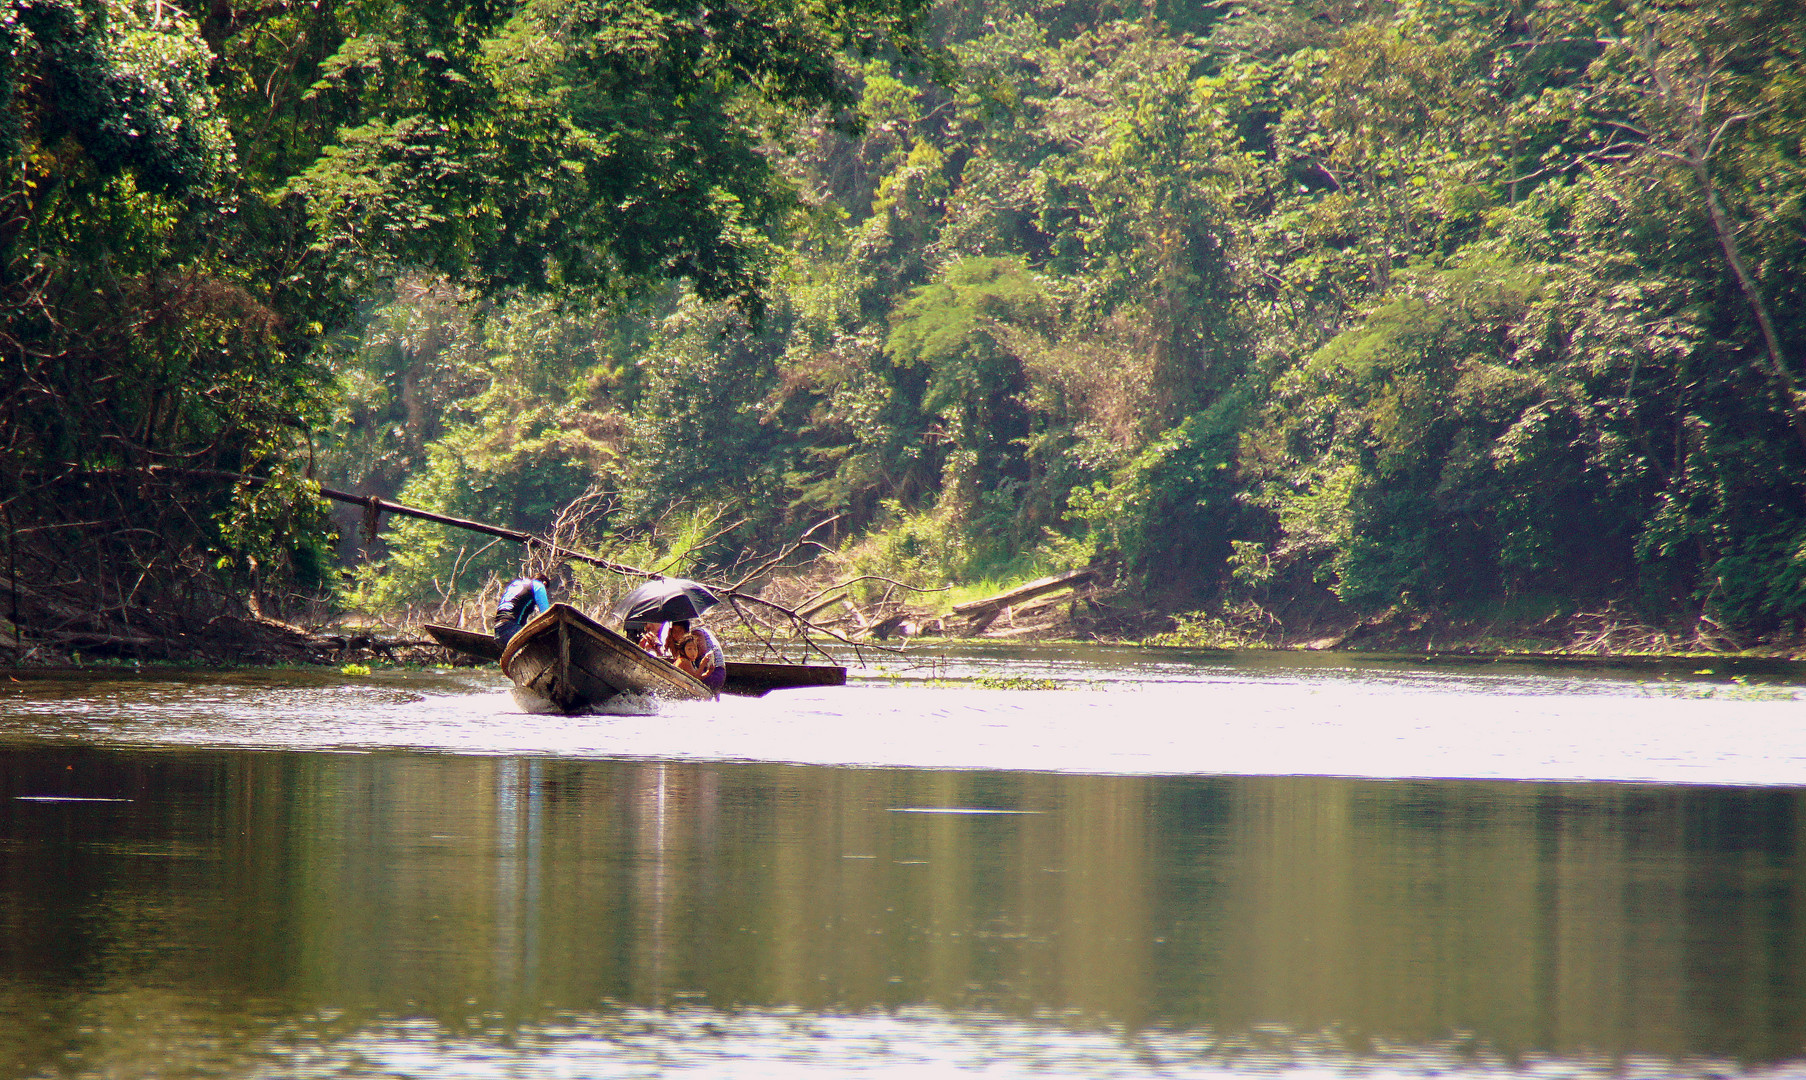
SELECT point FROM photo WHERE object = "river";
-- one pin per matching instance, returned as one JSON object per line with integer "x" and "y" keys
{"x": 1023, "y": 862}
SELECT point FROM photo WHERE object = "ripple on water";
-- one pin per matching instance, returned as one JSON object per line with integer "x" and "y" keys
{"x": 919, "y": 1042}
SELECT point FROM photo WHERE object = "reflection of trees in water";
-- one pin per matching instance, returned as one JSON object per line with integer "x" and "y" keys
{"x": 673, "y": 811}
{"x": 487, "y": 893}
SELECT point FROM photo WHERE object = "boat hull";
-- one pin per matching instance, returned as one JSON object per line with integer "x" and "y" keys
{"x": 750, "y": 679}
{"x": 468, "y": 642}
{"x": 574, "y": 663}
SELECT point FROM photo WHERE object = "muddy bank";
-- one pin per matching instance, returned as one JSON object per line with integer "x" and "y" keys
{"x": 1099, "y": 613}
{"x": 1085, "y": 610}
{"x": 227, "y": 641}
{"x": 1582, "y": 638}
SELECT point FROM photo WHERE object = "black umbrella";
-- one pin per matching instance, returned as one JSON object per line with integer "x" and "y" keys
{"x": 669, "y": 599}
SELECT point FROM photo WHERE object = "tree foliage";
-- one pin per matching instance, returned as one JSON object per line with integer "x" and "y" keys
{"x": 133, "y": 359}
{"x": 196, "y": 205}
{"x": 1424, "y": 304}
{"x": 573, "y": 143}
{"x": 1430, "y": 304}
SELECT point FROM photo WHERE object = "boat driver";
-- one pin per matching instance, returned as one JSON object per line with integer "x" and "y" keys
{"x": 523, "y": 598}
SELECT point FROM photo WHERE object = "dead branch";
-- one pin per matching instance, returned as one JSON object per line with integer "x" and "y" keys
{"x": 772, "y": 563}
{"x": 797, "y": 620}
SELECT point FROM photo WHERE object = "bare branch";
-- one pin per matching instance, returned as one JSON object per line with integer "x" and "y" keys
{"x": 800, "y": 628}
{"x": 774, "y": 561}
{"x": 1712, "y": 143}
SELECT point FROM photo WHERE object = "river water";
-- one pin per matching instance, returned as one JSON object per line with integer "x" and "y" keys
{"x": 1030, "y": 862}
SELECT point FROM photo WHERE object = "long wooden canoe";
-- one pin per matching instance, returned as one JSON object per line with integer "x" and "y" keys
{"x": 472, "y": 643}
{"x": 571, "y": 661}
{"x": 744, "y": 678}
{"x": 749, "y": 679}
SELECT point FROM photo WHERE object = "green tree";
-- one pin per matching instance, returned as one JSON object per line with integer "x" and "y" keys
{"x": 1429, "y": 455}
{"x": 136, "y": 358}
{"x": 700, "y": 427}
{"x": 956, "y": 332}
{"x": 575, "y": 144}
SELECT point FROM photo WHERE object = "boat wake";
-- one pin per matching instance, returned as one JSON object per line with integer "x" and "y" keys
{"x": 627, "y": 705}
{"x": 529, "y": 702}
{"x": 619, "y": 705}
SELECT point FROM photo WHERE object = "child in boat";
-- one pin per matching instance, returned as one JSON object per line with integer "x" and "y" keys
{"x": 698, "y": 653}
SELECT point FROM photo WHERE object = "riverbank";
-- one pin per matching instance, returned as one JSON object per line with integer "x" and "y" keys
{"x": 1096, "y": 615}
{"x": 1105, "y": 615}
{"x": 1579, "y": 635}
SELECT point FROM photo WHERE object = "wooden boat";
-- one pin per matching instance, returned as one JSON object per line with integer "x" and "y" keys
{"x": 744, "y": 678}
{"x": 470, "y": 642}
{"x": 749, "y": 679}
{"x": 571, "y": 661}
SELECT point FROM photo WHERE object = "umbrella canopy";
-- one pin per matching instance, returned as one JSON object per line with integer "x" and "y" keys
{"x": 665, "y": 600}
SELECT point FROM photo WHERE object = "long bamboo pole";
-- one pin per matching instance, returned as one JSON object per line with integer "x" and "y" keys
{"x": 384, "y": 506}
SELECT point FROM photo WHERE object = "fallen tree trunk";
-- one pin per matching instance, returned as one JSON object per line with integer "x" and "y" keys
{"x": 991, "y": 605}
{"x": 821, "y": 606}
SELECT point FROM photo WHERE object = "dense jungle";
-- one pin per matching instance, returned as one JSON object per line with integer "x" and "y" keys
{"x": 1458, "y": 322}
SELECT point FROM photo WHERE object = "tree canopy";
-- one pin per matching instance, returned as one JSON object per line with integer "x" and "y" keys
{"x": 1302, "y": 304}
{"x": 200, "y": 200}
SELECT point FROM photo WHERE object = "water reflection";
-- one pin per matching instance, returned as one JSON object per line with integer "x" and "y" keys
{"x": 412, "y": 914}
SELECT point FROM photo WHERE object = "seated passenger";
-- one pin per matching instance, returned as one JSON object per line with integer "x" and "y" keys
{"x": 651, "y": 638}
{"x": 523, "y": 598}
{"x": 698, "y": 653}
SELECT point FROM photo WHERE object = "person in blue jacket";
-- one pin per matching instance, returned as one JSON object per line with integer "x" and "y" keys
{"x": 524, "y": 598}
